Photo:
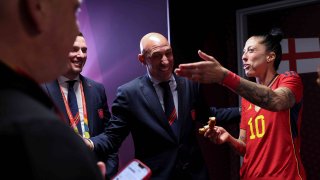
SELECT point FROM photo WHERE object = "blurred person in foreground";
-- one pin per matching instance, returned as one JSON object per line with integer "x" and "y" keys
{"x": 269, "y": 136}
{"x": 36, "y": 36}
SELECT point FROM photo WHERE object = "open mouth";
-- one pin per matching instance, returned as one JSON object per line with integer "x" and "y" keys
{"x": 77, "y": 63}
{"x": 164, "y": 69}
{"x": 246, "y": 66}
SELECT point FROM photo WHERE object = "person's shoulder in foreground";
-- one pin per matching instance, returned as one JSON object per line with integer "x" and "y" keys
{"x": 37, "y": 144}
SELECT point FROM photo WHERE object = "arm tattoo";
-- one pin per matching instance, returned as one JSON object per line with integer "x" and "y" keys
{"x": 279, "y": 99}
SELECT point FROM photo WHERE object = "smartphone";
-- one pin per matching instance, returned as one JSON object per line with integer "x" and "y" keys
{"x": 134, "y": 170}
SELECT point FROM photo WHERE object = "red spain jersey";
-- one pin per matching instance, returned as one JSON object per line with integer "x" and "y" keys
{"x": 273, "y": 138}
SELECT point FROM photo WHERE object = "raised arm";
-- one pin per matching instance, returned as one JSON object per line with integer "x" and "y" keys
{"x": 211, "y": 71}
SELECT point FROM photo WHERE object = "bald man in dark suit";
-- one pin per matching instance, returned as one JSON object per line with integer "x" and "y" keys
{"x": 164, "y": 138}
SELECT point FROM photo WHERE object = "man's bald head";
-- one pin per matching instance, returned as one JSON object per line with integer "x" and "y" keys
{"x": 156, "y": 55}
{"x": 150, "y": 40}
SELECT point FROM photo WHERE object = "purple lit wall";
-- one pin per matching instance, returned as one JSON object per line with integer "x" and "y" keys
{"x": 113, "y": 29}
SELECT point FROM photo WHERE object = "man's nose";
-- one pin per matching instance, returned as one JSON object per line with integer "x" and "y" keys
{"x": 164, "y": 59}
{"x": 80, "y": 54}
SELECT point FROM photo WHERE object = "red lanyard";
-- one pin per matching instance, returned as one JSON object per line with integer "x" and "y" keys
{"x": 74, "y": 120}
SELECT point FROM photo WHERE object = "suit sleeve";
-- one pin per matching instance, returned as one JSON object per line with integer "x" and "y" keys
{"x": 112, "y": 160}
{"x": 116, "y": 129}
{"x": 223, "y": 115}
{"x": 226, "y": 115}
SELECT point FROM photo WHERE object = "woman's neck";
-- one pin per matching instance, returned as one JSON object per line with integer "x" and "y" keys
{"x": 267, "y": 78}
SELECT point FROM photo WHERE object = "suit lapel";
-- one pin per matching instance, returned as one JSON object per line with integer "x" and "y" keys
{"x": 87, "y": 88}
{"x": 55, "y": 93}
{"x": 182, "y": 93}
{"x": 154, "y": 104}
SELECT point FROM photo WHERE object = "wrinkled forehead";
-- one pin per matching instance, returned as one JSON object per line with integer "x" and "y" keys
{"x": 158, "y": 48}
{"x": 155, "y": 44}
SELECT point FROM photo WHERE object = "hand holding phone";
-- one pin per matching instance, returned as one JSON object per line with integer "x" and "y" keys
{"x": 134, "y": 170}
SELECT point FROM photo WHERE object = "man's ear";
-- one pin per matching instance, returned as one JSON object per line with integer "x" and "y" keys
{"x": 271, "y": 57}
{"x": 35, "y": 14}
{"x": 141, "y": 59}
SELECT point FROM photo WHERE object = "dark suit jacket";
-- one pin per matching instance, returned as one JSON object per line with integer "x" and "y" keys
{"x": 36, "y": 144}
{"x": 96, "y": 101}
{"x": 137, "y": 109}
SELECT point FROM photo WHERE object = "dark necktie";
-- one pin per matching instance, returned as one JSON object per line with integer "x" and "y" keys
{"x": 168, "y": 102}
{"x": 73, "y": 105}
